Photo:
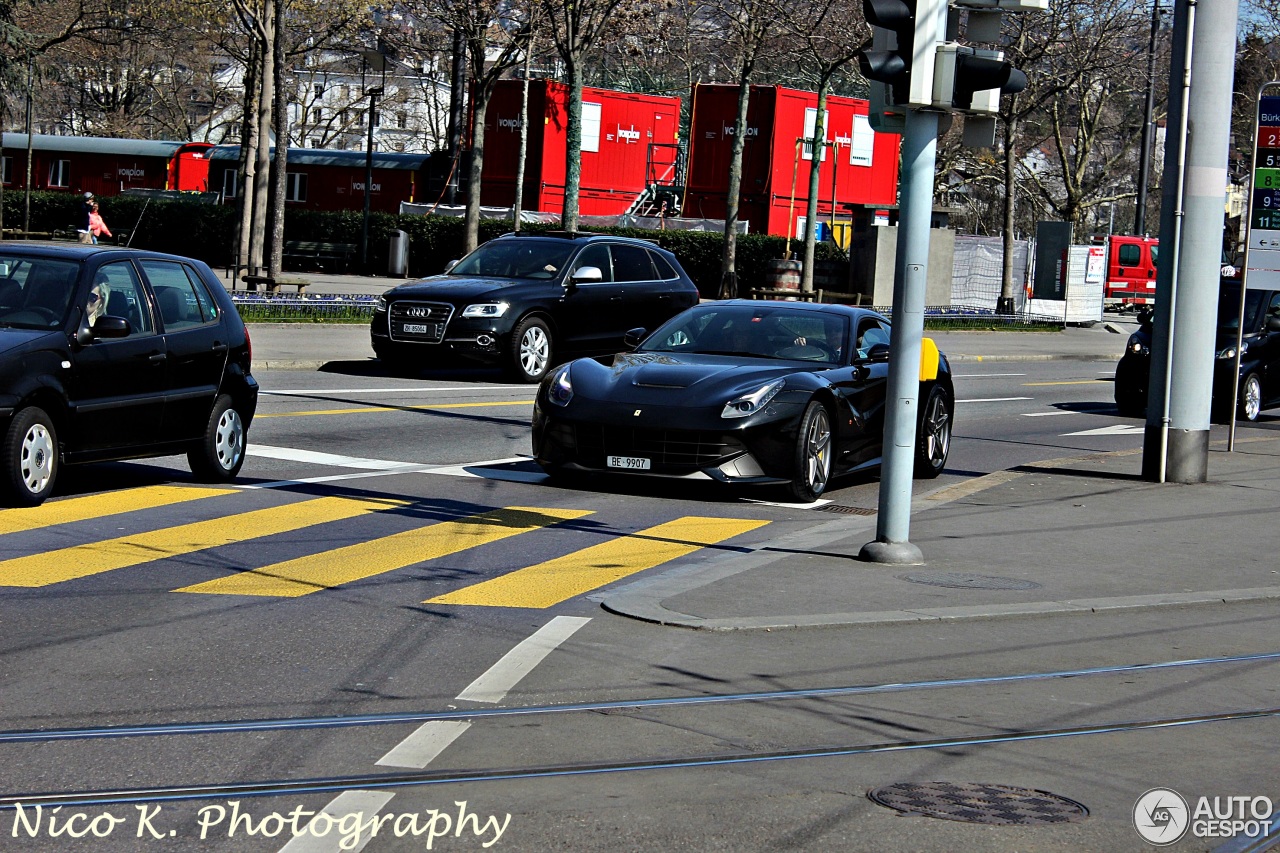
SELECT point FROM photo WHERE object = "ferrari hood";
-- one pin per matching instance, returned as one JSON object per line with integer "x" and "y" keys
{"x": 673, "y": 380}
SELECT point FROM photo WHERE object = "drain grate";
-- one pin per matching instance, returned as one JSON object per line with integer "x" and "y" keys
{"x": 965, "y": 580}
{"x": 846, "y": 510}
{"x": 974, "y": 802}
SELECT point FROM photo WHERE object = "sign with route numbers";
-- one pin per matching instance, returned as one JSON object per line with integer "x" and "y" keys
{"x": 1262, "y": 269}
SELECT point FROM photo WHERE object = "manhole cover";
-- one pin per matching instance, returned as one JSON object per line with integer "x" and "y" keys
{"x": 846, "y": 510}
{"x": 972, "y": 802}
{"x": 965, "y": 580}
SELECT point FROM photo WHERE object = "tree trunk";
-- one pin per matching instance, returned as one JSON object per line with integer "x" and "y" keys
{"x": 279, "y": 186}
{"x": 815, "y": 175}
{"x": 248, "y": 156}
{"x": 457, "y": 88}
{"x": 263, "y": 151}
{"x": 517, "y": 205}
{"x": 573, "y": 149}
{"x": 728, "y": 270}
{"x": 479, "y": 108}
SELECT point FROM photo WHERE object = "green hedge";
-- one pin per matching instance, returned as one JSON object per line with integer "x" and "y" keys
{"x": 208, "y": 232}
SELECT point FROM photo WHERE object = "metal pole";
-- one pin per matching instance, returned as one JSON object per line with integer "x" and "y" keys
{"x": 893, "y": 526}
{"x": 1144, "y": 158}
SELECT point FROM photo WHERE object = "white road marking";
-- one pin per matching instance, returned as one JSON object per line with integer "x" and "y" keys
{"x": 994, "y": 400}
{"x": 428, "y": 741}
{"x": 493, "y": 685}
{"x": 474, "y": 470}
{"x": 348, "y": 802}
{"x": 1048, "y": 414}
{"x": 1118, "y": 429}
{"x": 982, "y": 375}
{"x": 292, "y": 454}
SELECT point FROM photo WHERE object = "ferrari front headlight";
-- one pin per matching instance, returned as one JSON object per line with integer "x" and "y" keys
{"x": 559, "y": 388}
{"x": 1230, "y": 352}
{"x": 748, "y": 404}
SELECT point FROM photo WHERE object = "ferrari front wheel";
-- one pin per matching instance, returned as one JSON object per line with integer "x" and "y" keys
{"x": 812, "y": 461}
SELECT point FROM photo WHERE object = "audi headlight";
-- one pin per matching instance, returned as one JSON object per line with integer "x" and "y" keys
{"x": 1230, "y": 352}
{"x": 382, "y": 304}
{"x": 560, "y": 389}
{"x": 748, "y": 404}
{"x": 485, "y": 309}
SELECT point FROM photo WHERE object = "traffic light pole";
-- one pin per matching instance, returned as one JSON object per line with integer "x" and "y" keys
{"x": 902, "y": 404}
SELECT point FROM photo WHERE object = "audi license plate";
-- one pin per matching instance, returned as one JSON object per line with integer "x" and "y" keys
{"x": 415, "y": 328}
{"x": 631, "y": 463}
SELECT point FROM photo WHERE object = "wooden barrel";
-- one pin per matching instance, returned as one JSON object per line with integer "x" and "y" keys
{"x": 782, "y": 275}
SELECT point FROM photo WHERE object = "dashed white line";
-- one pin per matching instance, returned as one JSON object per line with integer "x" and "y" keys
{"x": 428, "y": 741}
{"x": 366, "y": 803}
{"x": 1048, "y": 414}
{"x": 982, "y": 375}
{"x": 493, "y": 685}
{"x": 994, "y": 400}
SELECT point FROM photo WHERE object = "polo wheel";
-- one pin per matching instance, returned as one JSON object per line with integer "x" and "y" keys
{"x": 30, "y": 458}
{"x": 811, "y": 465}
{"x": 531, "y": 350}
{"x": 218, "y": 455}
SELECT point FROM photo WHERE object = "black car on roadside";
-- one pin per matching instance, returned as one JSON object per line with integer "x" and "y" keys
{"x": 748, "y": 392}
{"x": 1257, "y": 382}
{"x": 109, "y": 353}
{"x": 528, "y": 301}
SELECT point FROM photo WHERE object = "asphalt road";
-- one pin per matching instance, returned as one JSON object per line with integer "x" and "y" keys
{"x": 388, "y": 551}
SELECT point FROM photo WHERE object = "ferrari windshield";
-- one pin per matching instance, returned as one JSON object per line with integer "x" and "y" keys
{"x": 519, "y": 258}
{"x": 35, "y": 292}
{"x": 767, "y": 331}
{"x": 1229, "y": 308}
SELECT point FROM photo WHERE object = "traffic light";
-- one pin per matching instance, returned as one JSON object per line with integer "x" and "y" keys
{"x": 900, "y": 54}
{"x": 972, "y": 80}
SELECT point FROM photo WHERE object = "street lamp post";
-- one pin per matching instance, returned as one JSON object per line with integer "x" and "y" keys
{"x": 374, "y": 93}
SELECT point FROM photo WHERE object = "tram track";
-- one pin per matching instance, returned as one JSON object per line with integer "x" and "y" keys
{"x": 330, "y": 783}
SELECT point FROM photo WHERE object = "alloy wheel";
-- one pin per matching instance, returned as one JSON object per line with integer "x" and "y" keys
{"x": 535, "y": 350}
{"x": 937, "y": 431}
{"x": 817, "y": 451}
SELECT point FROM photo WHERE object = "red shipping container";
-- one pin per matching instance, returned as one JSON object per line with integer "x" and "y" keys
{"x": 862, "y": 164}
{"x": 618, "y": 130}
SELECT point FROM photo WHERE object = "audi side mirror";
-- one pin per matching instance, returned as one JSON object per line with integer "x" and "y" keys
{"x": 582, "y": 274}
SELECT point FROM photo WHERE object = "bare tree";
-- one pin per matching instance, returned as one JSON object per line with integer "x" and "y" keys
{"x": 748, "y": 26}
{"x": 821, "y": 30}
{"x": 577, "y": 27}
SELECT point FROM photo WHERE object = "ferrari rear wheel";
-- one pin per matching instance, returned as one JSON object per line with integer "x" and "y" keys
{"x": 812, "y": 465}
{"x": 933, "y": 442}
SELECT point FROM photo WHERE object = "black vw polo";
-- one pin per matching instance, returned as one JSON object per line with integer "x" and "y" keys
{"x": 110, "y": 353}
{"x": 528, "y": 301}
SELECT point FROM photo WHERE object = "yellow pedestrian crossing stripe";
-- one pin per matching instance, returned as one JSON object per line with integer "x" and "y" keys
{"x": 552, "y": 582}
{"x": 340, "y": 566}
{"x": 89, "y": 507}
{"x": 94, "y": 558}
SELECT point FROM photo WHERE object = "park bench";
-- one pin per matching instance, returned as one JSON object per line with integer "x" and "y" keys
{"x": 273, "y": 285}
{"x": 320, "y": 253}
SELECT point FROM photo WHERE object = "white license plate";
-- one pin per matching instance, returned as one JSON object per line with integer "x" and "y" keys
{"x": 633, "y": 463}
{"x": 415, "y": 329}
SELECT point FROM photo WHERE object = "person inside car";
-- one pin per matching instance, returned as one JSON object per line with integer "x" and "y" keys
{"x": 97, "y": 303}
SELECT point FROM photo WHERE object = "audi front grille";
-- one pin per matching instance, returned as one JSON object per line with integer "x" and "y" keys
{"x": 418, "y": 322}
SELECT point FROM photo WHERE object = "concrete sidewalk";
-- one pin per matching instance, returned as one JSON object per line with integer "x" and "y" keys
{"x": 1113, "y": 537}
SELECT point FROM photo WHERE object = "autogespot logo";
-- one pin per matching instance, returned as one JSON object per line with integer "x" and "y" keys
{"x": 1161, "y": 816}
